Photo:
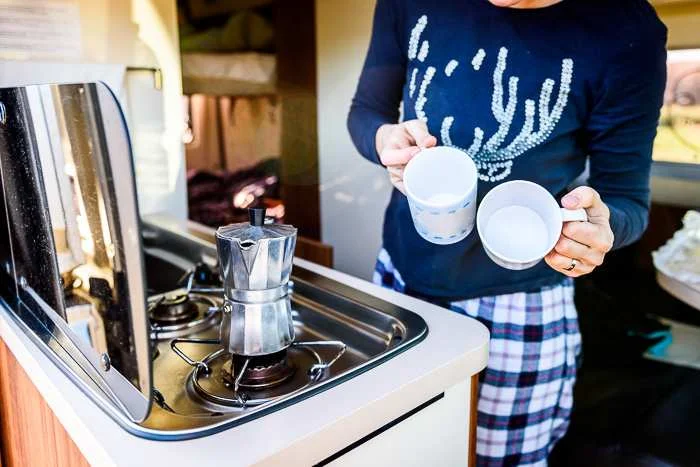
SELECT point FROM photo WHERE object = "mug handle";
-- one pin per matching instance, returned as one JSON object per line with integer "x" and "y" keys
{"x": 574, "y": 215}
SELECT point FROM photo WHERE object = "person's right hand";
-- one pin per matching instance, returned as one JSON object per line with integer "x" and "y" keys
{"x": 397, "y": 144}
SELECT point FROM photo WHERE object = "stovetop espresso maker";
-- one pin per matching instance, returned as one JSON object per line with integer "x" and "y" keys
{"x": 255, "y": 261}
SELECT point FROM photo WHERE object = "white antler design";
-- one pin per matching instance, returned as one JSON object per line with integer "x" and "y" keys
{"x": 495, "y": 161}
{"x": 421, "y": 55}
{"x": 494, "y": 156}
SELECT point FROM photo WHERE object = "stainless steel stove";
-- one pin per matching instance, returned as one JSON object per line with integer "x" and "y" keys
{"x": 339, "y": 331}
{"x": 140, "y": 314}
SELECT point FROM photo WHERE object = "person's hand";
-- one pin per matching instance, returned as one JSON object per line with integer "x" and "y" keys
{"x": 397, "y": 144}
{"x": 585, "y": 242}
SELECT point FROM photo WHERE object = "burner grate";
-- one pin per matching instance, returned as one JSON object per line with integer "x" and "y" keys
{"x": 179, "y": 313}
{"x": 256, "y": 380}
{"x": 259, "y": 372}
{"x": 176, "y": 308}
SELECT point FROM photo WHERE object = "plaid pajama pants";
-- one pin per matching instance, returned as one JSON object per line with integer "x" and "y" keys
{"x": 526, "y": 394}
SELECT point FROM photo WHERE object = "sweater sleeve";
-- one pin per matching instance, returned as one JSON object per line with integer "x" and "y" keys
{"x": 380, "y": 87}
{"x": 622, "y": 127}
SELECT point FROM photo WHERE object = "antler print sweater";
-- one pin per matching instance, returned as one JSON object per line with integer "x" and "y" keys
{"x": 528, "y": 94}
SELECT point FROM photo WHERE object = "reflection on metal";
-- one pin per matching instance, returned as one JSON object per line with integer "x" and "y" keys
{"x": 70, "y": 207}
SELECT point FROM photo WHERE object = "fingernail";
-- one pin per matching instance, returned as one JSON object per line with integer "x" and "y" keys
{"x": 570, "y": 201}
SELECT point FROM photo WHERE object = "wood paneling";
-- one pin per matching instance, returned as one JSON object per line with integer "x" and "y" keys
{"x": 30, "y": 433}
{"x": 314, "y": 251}
{"x": 296, "y": 84}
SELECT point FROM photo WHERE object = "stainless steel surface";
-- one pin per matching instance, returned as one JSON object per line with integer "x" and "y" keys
{"x": 185, "y": 357}
{"x": 257, "y": 328}
{"x": 255, "y": 260}
{"x": 167, "y": 325}
{"x": 327, "y": 315}
{"x": 340, "y": 332}
{"x": 255, "y": 257}
{"x": 371, "y": 335}
{"x": 258, "y": 296}
{"x": 320, "y": 367}
{"x": 217, "y": 367}
{"x": 70, "y": 231}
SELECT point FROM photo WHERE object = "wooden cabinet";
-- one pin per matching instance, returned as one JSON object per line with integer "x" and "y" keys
{"x": 30, "y": 433}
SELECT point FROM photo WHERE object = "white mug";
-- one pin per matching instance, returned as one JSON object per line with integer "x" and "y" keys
{"x": 440, "y": 185}
{"x": 520, "y": 222}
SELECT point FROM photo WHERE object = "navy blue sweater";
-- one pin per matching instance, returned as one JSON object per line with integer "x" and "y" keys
{"x": 528, "y": 94}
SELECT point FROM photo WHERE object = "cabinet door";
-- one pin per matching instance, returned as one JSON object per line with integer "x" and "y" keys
{"x": 438, "y": 434}
{"x": 30, "y": 434}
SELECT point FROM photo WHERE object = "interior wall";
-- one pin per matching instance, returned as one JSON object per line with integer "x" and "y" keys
{"x": 114, "y": 35}
{"x": 157, "y": 113}
{"x": 354, "y": 192}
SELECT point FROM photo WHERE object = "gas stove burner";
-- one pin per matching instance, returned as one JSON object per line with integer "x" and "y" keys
{"x": 178, "y": 313}
{"x": 259, "y": 372}
{"x": 256, "y": 380}
{"x": 262, "y": 384}
{"x": 174, "y": 309}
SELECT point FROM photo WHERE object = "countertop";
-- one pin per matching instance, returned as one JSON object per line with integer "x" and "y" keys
{"x": 455, "y": 349}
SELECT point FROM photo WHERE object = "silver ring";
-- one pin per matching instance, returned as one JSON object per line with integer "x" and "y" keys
{"x": 257, "y": 296}
{"x": 574, "y": 263}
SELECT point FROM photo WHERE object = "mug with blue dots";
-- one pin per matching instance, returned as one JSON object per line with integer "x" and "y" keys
{"x": 441, "y": 187}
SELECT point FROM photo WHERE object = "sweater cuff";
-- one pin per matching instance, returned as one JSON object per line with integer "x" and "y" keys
{"x": 373, "y": 124}
{"x": 619, "y": 224}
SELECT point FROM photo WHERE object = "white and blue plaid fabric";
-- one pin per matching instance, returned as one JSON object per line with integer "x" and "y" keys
{"x": 526, "y": 391}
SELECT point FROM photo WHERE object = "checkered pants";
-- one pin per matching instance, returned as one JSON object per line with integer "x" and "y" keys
{"x": 526, "y": 394}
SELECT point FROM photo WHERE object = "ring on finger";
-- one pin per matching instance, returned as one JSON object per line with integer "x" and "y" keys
{"x": 572, "y": 266}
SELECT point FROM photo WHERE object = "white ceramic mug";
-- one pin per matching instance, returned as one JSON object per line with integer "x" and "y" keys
{"x": 440, "y": 185}
{"x": 520, "y": 222}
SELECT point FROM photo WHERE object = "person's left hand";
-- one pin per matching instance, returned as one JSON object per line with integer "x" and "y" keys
{"x": 585, "y": 242}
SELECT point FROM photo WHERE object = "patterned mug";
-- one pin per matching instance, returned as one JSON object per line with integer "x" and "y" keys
{"x": 441, "y": 187}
